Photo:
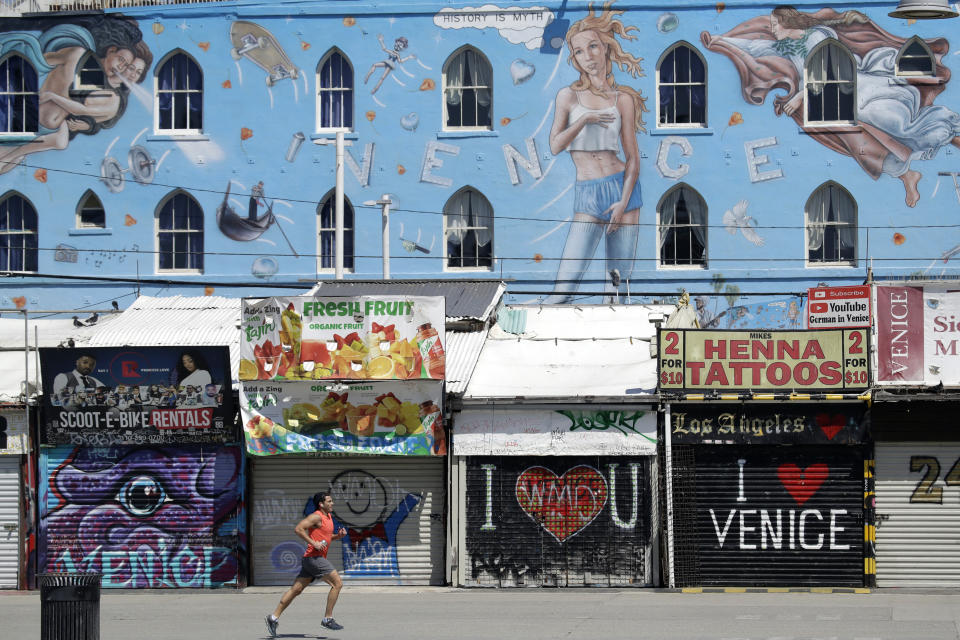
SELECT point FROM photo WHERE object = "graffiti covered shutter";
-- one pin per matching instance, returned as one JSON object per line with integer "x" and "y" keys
{"x": 558, "y": 521}
{"x": 918, "y": 514}
{"x": 393, "y": 508}
{"x": 771, "y": 516}
{"x": 144, "y": 517}
{"x": 9, "y": 520}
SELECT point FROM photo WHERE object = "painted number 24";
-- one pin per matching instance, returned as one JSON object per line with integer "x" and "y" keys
{"x": 925, "y": 490}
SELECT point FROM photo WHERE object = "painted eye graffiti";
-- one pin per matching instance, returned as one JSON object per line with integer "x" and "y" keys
{"x": 142, "y": 496}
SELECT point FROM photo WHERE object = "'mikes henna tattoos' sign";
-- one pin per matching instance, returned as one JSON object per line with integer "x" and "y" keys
{"x": 768, "y": 424}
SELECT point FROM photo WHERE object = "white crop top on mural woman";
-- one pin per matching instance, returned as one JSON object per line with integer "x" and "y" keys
{"x": 594, "y": 136}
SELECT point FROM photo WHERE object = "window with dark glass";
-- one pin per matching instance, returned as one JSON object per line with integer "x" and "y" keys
{"x": 915, "y": 59}
{"x": 831, "y": 84}
{"x": 180, "y": 95}
{"x": 831, "y": 224}
{"x": 19, "y": 100}
{"x": 683, "y": 228}
{"x": 328, "y": 233}
{"x": 18, "y": 234}
{"x": 90, "y": 73}
{"x": 180, "y": 234}
{"x": 90, "y": 213}
{"x": 335, "y": 93}
{"x": 682, "y": 88}
{"x": 468, "y": 230}
{"x": 468, "y": 91}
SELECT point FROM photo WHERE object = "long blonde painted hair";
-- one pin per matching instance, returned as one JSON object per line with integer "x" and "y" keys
{"x": 607, "y": 29}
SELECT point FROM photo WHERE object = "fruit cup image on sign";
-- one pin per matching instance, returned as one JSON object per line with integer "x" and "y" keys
{"x": 387, "y": 417}
{"x": 311, "y": 338}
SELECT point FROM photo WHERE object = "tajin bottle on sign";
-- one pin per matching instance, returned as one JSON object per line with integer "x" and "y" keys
{"x": 432, "y": 420}
{"x": 431, "y": 351}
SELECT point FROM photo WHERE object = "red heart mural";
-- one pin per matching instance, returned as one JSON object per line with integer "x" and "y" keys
{"x": 562, "y": 505}
{"x": 802, "y": 484}
{"x": 830, "y": 424}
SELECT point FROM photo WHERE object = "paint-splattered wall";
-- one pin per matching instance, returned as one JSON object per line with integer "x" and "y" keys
{"x": 144, "y": 517}
{"x": 727, "y": 151}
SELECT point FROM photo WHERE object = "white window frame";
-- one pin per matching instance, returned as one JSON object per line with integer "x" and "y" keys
{"x": 443, "y": 93}
{"x": 77, "y": 81}
{"x": 493, "y": 256}
{"x": 22, "y": 232}
{"x": 836, "y": 225}
{"x": 26, "y": 63}
{"x": 157, "y": 231}
{"x": 347, "y": 93}
{"x": 158, "y": 68}
{"x": 682, "y": 125}
{"x": 829, "y": 42}
{"x": 81, "y": 207}
{"x": 663, "y": 228}
{"x": 916, "y": 74}
{"x": 331, "y": 198}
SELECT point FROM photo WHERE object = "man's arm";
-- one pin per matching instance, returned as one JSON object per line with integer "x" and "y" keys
{"x": 303, "y": 531}
{"x": 60, "y": 382}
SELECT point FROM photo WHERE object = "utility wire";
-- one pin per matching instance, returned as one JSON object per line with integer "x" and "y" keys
{"x": 496, "y": 217}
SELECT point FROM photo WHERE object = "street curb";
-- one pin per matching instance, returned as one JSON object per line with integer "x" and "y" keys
{"x": 769, "y": 590}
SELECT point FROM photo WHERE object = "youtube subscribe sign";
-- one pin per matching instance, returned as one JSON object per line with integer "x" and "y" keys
{"x": 838, "y": 307}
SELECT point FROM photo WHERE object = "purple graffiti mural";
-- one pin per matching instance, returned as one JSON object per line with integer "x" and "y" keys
{"x": 145, "y": 517}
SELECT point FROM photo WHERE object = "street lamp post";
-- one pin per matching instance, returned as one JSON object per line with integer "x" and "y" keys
{"x": 338, "y": 198}
{"x": 384, "y": 202}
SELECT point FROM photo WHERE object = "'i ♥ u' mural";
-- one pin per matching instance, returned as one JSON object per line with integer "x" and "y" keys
{"x": 562, "y": 505}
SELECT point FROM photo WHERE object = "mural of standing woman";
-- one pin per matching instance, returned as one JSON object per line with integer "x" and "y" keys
{"x": 594, "y": 119}
{"x": 898, "y": 122}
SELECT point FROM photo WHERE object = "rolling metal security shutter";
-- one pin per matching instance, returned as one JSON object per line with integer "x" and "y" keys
{"x": 797, "y": 521}
{"x": 9, "y": 521}
{"x": 144, "y": 517}
{"x": 406, "y": 495}
{"x": 918, "y": 514}
{"x": 561, "y": 521}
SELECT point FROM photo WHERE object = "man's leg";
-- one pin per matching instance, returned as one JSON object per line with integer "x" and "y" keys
{"x": 333, "y": 579}
{"x": 295, "y": 589}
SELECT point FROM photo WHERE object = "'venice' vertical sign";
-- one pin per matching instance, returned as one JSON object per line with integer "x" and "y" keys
{"x": 899, "y": 313}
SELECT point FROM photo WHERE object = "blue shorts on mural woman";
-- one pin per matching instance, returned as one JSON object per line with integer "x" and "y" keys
{"x": 136, "y": 395}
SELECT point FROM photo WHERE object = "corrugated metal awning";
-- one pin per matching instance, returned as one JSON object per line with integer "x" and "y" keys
{"x": 463, "y": 349}
{"x": 565, "y": 353}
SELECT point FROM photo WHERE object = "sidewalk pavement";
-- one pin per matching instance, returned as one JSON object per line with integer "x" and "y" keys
{"x": 416, "y": 613}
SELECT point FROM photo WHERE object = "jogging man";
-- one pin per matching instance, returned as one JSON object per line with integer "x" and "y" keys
{"x": 317, "y": 531}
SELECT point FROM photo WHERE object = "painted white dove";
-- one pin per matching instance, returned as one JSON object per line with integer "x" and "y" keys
{"x": 738, "y": 219}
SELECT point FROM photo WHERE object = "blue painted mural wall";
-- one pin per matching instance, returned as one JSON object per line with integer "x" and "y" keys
{"x": 753, "y": 164}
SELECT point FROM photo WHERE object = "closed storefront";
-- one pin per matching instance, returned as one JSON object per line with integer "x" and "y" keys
{"x": 392, "y": 507}
{"x": 768, "y": 495}
{"x": 543, "y": 506}
{"x": 140, "y": 474}
{"x": 918, "y": 514}
{"x": 144, "y": 517}
{"x": 14, "y": 445}
{"x": 9, "y": 521}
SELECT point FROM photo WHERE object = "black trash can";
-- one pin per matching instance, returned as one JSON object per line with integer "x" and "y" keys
{"x": 70, "y": 606}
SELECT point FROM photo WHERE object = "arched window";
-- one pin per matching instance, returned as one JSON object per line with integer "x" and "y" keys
{"x": 468, "y": 231}
{"x": 831, "y": 225}
{"x": 915, "y": 59}
{"x": 89, "y": 73}
{"x": 334, "y": 92}
{"x": 682, "y": 228}
{"x": 681, "y": 88}
{"x": 179, "y": 95}
{"x": 18, "y": 234}
{"x": 90, "y": 213}
{"x": 327, "y": 230}
{"x": 180, "y": 234}
{"x": 831, "y": 83}
{"x": 19, "y": 100}
{"x": 467, "y": 91}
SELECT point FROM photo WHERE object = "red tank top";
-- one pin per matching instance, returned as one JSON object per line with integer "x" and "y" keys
{"x": 322, "y": 532}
